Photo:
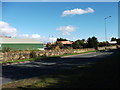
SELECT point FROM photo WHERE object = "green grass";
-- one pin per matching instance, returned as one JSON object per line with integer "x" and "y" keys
{"x": 103, "y": 74}
{"x": 78, "y": 53}
{"x": 33, "y": 59}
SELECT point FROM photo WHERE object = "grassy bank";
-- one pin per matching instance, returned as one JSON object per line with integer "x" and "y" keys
{"x": 33, "y": 59}
{"x": 97, "y": 75}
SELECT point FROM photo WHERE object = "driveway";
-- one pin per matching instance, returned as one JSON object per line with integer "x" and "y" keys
{"x": 48, "y": 66}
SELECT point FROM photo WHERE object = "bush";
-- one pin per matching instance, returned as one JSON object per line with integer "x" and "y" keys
{"x": 33, "y": 54}
{"x": 78, "y": 44}
{"x": 118, "y": 41}
{"x": 6, "y": 49}
{"x": 102, "y": 44}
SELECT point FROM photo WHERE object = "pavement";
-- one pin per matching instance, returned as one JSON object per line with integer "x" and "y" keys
{"x": 47, "y": 66}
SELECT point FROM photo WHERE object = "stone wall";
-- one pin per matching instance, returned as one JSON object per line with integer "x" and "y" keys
{"x": 27, "y": 54}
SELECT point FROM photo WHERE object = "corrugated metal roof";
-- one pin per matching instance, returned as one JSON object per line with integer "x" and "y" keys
{"x": 16, "y": 40}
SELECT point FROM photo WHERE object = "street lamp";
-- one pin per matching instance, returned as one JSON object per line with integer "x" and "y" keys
{"x": 105, "y": 30}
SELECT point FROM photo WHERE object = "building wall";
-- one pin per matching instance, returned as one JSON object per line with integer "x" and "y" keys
{"x": 23, "y": 46}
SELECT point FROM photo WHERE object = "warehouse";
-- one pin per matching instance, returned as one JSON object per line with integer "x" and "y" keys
{"x": 20, "y": 44}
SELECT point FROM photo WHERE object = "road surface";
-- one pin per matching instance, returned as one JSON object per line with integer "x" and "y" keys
{"x": 47, "y": 66}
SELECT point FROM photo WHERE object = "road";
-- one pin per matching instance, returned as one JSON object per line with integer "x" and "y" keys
{"x": 47, "y": 66}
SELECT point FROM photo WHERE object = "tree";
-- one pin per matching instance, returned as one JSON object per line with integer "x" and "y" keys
{"x": 92, "y": 42}
{"x": 61, "y": 39}
{"x": 59, "y": 44}
{"x": 102, "y": 44}
{"x": 113, "y": 39}
{"x": 53, "y": 46}
{"x": 118, "y": 41}
{"x": 78, "y": 44}
{"x": 89, "y": 41}
{"x": 83, "y": 40}
{"x": 48, "y": 45}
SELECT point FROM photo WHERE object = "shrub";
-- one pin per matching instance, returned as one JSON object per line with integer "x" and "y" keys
{"x": 6, "y": 49}
{"x": 102, "y": 44}
{"x": 118, "y": 41}
{"x": 33, "y": 54}
{"x": 57, "y": 48}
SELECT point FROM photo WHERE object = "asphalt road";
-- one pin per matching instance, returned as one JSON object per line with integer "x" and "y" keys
{"x": 47, "y": 66}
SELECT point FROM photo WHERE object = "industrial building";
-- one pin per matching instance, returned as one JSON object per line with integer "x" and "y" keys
{"x": 20, "y": 44}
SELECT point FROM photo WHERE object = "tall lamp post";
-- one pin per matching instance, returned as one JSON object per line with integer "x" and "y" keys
{"x": 106, "y": 31}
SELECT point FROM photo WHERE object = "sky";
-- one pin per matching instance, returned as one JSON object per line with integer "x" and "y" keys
{"x": 119, "y": 20}
{"x": 0, "y": 11}
{"x": 60, "y": 0}
{"x": 47, "y": 21}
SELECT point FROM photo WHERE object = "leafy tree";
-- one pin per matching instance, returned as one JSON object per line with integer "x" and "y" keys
{"x": 92, "y": 42}
{"x": 113, "y": 39}
{"x": 61, "y": 39}
{"x": 78, "y": 44}
{"x": 83, "y": 40}
{"x": 53, "y": 46}
{"x": 118, "y": 41}
{"x": 59, "y": 44}
{"x": 48, "y": 45}
{"x": 102, "y": 44}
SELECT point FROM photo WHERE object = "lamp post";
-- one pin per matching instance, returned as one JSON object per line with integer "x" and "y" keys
{"x": 106, "y": 31}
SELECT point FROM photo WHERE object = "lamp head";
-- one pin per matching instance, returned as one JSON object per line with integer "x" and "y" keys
{"x": 108, "y": 17}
